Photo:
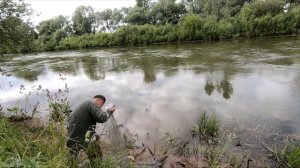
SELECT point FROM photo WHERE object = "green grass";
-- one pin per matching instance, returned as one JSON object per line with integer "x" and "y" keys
{"x": 24, "y": 147}
{"x": 208, "y": 127}
{"x": 45, "y": 147}
{"x": 289, "y": 156}
{"x": 293, "y": 157}
{"x": 60, "y": 111}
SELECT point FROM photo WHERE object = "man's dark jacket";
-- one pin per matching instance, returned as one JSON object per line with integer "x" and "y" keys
{"x": 82, "y": 119}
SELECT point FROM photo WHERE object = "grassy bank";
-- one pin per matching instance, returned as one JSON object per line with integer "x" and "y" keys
{"x": 22, "y": 146}
{"x": 26, "y": 145}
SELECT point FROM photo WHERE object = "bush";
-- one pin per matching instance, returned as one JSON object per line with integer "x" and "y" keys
{"x": 263, "y": 26}
{"x": 257, "y": 19}
{"x": 226, "y": 29}
{"x": 192, "y": 27}
{"x": 211, "y": 29}
{"x": 262, "y": 8}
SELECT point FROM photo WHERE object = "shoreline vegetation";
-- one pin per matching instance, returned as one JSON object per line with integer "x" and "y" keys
{"x": 25, "y": 142}
{"x": 193, "y": 28}
{"x": 148, "y": 23}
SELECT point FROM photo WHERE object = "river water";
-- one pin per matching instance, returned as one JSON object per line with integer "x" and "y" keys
{"x": 161, "y": 89}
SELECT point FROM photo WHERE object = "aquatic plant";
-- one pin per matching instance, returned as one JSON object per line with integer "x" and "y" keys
{"x": 208, "y": 128}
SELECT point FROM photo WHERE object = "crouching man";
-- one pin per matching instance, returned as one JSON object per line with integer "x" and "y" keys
{"x": 84, "y": 118}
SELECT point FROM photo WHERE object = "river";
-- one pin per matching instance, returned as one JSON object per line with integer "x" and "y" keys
{"x": 159, "y": 89}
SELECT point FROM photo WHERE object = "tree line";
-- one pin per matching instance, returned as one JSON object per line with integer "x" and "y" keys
{"x": 148, "y": 22}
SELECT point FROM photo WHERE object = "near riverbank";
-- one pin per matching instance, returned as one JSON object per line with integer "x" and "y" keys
{"x": 25, "y": 143}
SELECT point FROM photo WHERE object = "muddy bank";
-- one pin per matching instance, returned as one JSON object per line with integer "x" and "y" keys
{"x": 225, "y": 144}
{"x": 210, "y": 143}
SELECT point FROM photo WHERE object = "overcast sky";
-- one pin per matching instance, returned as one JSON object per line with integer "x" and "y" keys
{"x": 48, "y": 9}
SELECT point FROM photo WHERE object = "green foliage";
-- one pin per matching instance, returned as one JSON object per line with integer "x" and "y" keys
{"x": 109, "y": 20}
{"x": 220, "y": 9}
{"x": 262, "y": 8}
{"x": 83, "y": 20}
{"x": 59, "y": 106}
{"x": 23, "y": 148}
{"x": 37, "y": 146}
{"x": 208, "y": 127}
{"x": 16, "y": 33}
{"x": 226, "y": 29}
{"x": 84, "y": 41}
{"x": 51, "y": 32}
{"x": 138, "y": 15}
{"x": 105, "y": 163}
{"x": 264, "y": 18}
{"x": 211, "y": 29}
{"x": 289, "y": 156}
{"x": 158, "y": 12}
{"x": 256, "y": 19}
{"x": 48, "y": 27}
{"x": 166, "y": 11}
{"x": 192, "y": 27}
{"x": 143, "y": 3}
{"x": 60, "y": 111}
{"x": 14, "y": 110}
{"x": 149, "y": 22}
{"x": 293, "y": 157}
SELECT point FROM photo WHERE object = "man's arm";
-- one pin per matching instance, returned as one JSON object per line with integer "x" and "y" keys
{"x": 98, "y": 114}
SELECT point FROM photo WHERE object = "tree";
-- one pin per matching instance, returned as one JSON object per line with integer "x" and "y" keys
{"x": 51, "y": 31}
{"x": 219, "y": 8}
{"x": 143, "y": 3}
{"x": 193, "y": 6}
{"x": 48, "y": 27}
{"x": 16, "y": 32}
{"x": 138, "y": 15}
{"x": 110, "y": 20}
{"x": 166, "y": 11}
{"x": 84, "y": 20}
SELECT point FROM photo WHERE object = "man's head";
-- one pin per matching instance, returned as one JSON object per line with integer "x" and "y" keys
{"x": 99, "y": 99}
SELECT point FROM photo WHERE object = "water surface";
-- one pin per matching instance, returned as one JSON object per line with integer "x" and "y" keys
{"x": 162, "y": 89}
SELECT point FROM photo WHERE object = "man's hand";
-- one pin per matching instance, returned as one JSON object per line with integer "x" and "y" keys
{"x": 111, "y": 108}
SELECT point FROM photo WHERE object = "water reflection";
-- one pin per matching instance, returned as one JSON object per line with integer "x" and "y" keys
{"x": 148, "y": 68}
{"x": 67, "y": 65}
{"x": 93, "y": 67}
{"x": 224, "y": 87}
{"x": 167, "y": 87}
{"x": 27, "y": 74}
{"x": 209, "y": 88}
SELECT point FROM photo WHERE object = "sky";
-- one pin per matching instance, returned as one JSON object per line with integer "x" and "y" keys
{"x": 48, "y": 9}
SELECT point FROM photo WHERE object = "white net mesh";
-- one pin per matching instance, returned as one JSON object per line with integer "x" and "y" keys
{"x": 111, "y": 134}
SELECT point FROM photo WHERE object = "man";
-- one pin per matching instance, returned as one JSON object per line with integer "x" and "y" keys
{"x": 84, "y": 118}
